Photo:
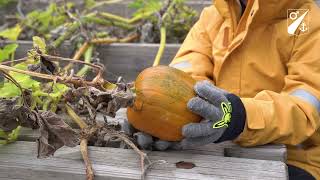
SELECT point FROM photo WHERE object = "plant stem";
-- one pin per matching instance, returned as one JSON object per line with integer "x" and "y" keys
{"x": 77, "y": 55}
{"x": 85, "y": 156}
{"x": 114, "y": 17}
{"x": 98, "y": 20}
{"x": 87, "y": 59}
{"x": 99, "y": 4}
{"x": 71, "y": 30}
{"x": 131, "y": 21}
{"x": 81, "y": 50}
{"x": 114, "y": 40}
{"x": 172, "y": 3}
{"x": 163, "y": 33}
{"x": 44, "y": 76}
{"x": 75, "y": 117}
{"x": 83, "y": 142}
{"x": 161, "y": 47}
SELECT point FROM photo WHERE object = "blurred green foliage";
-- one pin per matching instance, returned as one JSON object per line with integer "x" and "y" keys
{"x": 146, "y": 6}
{"x": 178, "y": 22}
{"x": 11, "y": 33}
{"x": 6, "y": 2}
{"x": 7, "y": 52}
{"x": 9, "y": 137}
{"x": 42, "y": 21}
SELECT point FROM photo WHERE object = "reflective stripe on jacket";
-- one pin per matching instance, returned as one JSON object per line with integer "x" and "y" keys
{"x": 277, "y": 75}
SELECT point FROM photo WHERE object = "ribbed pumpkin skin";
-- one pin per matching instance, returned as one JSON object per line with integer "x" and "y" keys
{"x": 160, "y": 108}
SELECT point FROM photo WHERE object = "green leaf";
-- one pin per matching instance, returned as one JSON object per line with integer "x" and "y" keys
{"x": 13, "y": 136}
{"x": 9, "y": 90}
{"x": 136, "y": 4}
{"x": 146, "y": 7}
{"x": 6, "y": 2}
{"x": 45, "y": 20}
{"x": 2, "y": 142}
{"x": 58, "y": 87}
{"x": 11, "y": 48}
{"x": 3, "y": 55}
{"x": 3, "y": 134}
{"x": 25, "y": 81}
{"x": 11, "y": 33}
{"x": 9, "y": 137}
{"x": 7, "y": 51}
{"x": 39, "y": 43}
{"x": 89, "y": 3}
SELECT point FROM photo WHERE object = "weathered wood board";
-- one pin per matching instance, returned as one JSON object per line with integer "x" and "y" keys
{"x": 227, "y": 149}
{"x": 18, "y": 161}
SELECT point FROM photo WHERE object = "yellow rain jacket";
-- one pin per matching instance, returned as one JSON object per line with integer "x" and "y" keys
{"x": 277, "y": 75}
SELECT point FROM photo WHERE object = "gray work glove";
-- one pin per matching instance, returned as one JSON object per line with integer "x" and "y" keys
{"x": 146, "y": 141}
{"x": 223, "y": 113}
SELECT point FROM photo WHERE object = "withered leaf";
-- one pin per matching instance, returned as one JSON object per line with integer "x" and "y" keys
{"x": 8, "y": 117}
{"x": 185, "y": 165}
{"x": 54, "y": 133}
{"x": 119, "y": 100}
{"x": 48, "y": 66}
{"x": 74, "y": 95}
{"x": 107, "y": 102}
{"x": 44, "y": 66}
{"x": 13, "y": 115}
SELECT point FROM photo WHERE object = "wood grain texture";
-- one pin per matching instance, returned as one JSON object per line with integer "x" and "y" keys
{"x": 18, "y": 161}
{"x": 227, "y": 149}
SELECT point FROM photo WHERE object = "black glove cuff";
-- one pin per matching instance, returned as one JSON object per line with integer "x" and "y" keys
{"x": 238, "y": 119}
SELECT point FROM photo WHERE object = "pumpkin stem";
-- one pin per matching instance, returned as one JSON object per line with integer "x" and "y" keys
{"x": 162, "y": 46}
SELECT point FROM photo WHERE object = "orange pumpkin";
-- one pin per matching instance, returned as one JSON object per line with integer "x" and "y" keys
{"x": 160, "y": 107}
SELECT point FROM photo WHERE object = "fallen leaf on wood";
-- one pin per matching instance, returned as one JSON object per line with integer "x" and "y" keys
{"x": 185, "y": 165}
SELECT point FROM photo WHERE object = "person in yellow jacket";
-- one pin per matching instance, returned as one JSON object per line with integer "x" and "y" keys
{"x": 257, "y": 83}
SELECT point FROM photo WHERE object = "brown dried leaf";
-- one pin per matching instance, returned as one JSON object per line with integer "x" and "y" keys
{"x": 48, "y": 67}
{"x": 13, "y": 115}
{"x": 185, "y": 165}
{"x": 54, "y": 133}
{"x": 107, "y": 102}
{"x": 119, "y": 100}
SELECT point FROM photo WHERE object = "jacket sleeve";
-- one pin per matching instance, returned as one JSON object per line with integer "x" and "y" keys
{"x": 195, "y": 56}
{"x": 291, "y": 116}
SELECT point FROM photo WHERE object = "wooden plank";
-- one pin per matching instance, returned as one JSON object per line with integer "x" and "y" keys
{"x": 227, "y": 149}
{"x": 128, "y": 60}
{"x": 265, "y": 152}
{"x": 111, "y": 163}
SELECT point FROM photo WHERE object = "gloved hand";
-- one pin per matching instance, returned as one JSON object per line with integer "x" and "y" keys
{"x": 146, "y": 141}
{"x": 224, "y": 116}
